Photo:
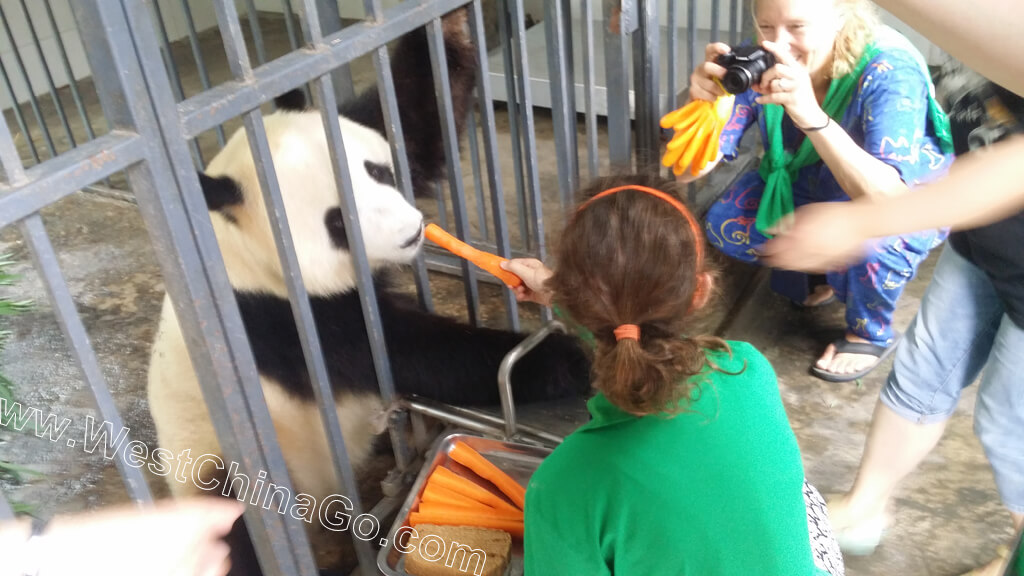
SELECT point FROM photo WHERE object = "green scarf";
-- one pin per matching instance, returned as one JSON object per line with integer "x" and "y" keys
{"x": 780, "y": 167}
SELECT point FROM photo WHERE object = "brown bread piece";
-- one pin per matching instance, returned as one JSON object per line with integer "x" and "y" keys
{"x": 460, "y": 542}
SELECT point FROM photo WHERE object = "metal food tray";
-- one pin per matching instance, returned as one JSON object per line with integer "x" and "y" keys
{"x": 517, "y": 460}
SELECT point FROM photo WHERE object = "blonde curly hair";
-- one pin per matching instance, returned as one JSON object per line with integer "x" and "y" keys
{"x": 859, "y": 23}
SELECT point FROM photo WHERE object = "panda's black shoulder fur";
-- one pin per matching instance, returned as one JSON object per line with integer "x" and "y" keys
{"x": 435, "y": 357}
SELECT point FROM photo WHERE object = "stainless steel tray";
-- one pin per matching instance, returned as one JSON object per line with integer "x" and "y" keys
{"x": 517, "y": 460}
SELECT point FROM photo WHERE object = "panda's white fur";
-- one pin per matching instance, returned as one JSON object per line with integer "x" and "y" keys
{"x": 302, "y": 161}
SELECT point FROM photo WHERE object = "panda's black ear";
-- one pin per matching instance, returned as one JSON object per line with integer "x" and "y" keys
{"x": 221, "y": 192}
{"x": 292, "y": 101}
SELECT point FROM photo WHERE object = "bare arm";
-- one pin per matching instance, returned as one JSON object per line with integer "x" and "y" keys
{"x": 981, "y": 188}
{"x": 978, "y": 34}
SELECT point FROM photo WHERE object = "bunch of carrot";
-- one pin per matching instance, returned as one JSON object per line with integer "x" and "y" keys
{"x": 698, "y": 127}
{"x": 451, "y": 499}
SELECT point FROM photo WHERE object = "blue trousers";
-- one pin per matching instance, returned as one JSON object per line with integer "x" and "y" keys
{"x": 870, "y": 289}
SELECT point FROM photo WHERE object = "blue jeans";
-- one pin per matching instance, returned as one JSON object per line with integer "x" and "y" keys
{"x": 961, "y": 328}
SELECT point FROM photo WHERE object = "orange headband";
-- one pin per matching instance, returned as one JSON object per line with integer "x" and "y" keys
{"x": 694, "y": 226}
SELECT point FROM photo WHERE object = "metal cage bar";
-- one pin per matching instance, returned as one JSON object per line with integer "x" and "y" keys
{"x": 50, "y": 84}
{"x": 490, "y": 138}
{"x": 197, "y": 55}
{"x": 588, "y": 88}
{"x": 18, "y": 116}
{"x": 449, "y": 137}
{"x": 616, "y": 61}
{"x": 514, "y": 112}
{"x": 647, "y": 95}
{"x": 33, "y": 101}
{"x": 194, "y": 274}
{"x": 563, "y": 98}
{"x": 66, "y": 65}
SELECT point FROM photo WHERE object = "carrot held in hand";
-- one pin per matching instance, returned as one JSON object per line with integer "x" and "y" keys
{"x": 447, "y": 479}
{"x": 472, "y": 459}
{"x": 513, "y": 527}
{"x": 441, "y": 509}
{"x": 487, "y": 261}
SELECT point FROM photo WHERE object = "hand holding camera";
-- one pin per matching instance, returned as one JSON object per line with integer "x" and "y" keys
{"x": 767, "y": 69}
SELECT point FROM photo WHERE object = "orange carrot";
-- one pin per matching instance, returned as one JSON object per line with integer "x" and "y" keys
{"x": 487, "y": 261}
{"x": 472, "y": 459}
{"x": 447, "y": 479}
{"x": 441, "y": 495}
{"x": 514, "y": 527}
{"x": 443, "y": 509}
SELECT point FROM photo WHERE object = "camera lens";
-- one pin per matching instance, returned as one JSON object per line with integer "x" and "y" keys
{"x": 737, "y": 80}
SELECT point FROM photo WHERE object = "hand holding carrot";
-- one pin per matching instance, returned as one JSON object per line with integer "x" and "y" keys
{"x": 534, "y": 274}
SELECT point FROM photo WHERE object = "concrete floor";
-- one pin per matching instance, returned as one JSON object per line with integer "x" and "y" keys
{"x": 948, "y": 517}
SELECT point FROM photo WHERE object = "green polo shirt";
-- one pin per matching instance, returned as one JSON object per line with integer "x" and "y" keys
{"x": 717, "y": 490}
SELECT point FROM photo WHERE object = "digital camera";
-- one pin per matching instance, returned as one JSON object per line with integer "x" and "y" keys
{"x": 744, "y": 67}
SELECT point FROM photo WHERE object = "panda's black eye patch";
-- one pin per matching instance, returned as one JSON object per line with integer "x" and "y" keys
{"x": 381, "y": 173}
{"x": 336, "y": 228}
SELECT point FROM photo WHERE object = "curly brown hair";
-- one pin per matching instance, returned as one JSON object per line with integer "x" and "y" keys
{"x": 631, "y": 258}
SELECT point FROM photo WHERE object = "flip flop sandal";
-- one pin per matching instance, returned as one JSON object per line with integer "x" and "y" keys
{"x": 844, "y": 346}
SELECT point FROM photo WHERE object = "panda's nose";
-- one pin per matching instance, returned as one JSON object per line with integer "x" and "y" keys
{"x": 415, "y": 238}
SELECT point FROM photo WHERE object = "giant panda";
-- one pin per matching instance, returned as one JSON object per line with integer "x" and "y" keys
{"x": 432, "y": 356}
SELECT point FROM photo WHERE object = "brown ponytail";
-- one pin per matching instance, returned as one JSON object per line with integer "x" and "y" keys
{"x": 631, "y": 258}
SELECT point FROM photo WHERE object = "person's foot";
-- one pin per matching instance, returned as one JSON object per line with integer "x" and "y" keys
{"x": 858, "y": 529}
{"x": 994, "y": 568}
{"x": 823, "y": 294}
{"x": 845, "y": 363}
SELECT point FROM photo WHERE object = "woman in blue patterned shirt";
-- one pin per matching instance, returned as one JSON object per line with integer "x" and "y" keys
{"x": 847, "y": 111}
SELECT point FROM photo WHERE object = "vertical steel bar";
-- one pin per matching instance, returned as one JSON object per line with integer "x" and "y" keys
{"x": 197, "y": 54}
{"x": 33, "y": 101}
{"x": 398, "y": 425}
{"x": 11, "y": 169}
{"x": 734, "y": 27}
{"x": 396, "y": 135}
{"x": 172, "y": 69}
{"x": 168, "y": 56}
{"x": 529, "y": 133}
{"x": 673, "y": 55}
{"x": 324, "y": 95}
{"x": 512, "y": 100}
{"x": 616, "y": 61}
{"x": 45, "y": 260}
{"x": 716, "y": 10}
{"x": 254, "y": 29}
{"x": 563, "y": 113}
{"x": 588, "y": 87}
{"x": 478, "y": 184}
{"x": 330, "y": 22}
{"x": 18, "y": 116}
{"x": 450, "y": 138}
{"x": 647, "y": 93}
{"x": 691, "y": 35}
{"x": 72, "y": 83}
{"x": 50, "y": 84}
{"x": 490, "y": 137}
{"x": 289, "y": 24}
{"x": 136, "y": 95}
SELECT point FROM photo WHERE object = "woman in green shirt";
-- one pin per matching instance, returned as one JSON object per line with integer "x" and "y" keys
{"x": 689, "y": 465}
